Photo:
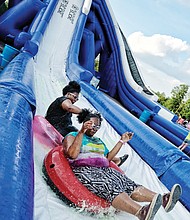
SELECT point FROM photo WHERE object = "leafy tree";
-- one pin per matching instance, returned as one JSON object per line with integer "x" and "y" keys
{"x": 176, "y": 102}
{"x": 179, "y": 103}
{"x": 96, "y": 67}
{"x": 162, "y": 99}
{"x": 185, "y": 111}
{"x": 97, "y": 63}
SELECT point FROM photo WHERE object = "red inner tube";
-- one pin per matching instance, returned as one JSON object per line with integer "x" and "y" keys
{"x": 59, "y": 174}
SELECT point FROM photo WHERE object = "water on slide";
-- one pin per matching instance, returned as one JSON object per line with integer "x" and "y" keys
{"x": 49, "y": 79}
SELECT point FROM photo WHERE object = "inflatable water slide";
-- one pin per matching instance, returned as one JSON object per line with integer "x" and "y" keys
{"x": 57, "y": 41}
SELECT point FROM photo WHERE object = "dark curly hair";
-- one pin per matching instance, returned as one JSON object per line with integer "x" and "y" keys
{"x": 87, "y": 114}
{"x": 73, "y": 86}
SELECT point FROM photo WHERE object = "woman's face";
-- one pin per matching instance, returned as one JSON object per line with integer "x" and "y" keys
{"x": 95, "y": 126}
{"x": 73, "y": 96}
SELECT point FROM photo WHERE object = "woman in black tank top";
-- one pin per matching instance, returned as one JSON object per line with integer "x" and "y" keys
{"x": 60, "y": 111}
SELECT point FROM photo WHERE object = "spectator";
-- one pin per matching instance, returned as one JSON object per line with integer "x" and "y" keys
{"x": 185, "y": 143}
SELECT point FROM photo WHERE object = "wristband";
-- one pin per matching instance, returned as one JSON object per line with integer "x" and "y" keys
{"x": 121, "y": 141}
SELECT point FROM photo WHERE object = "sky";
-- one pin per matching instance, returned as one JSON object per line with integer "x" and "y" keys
{"x": 158, "y": 34}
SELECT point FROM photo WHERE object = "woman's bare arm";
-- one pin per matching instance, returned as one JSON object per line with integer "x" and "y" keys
{"x": 68, "y": 106}
{"x": 124, "y": 138}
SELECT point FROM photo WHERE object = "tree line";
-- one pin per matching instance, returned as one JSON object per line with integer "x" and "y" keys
{"x": 179, "y": 102}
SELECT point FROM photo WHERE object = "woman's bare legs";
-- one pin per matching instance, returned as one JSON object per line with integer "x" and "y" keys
{"x": 124, "y": 203}
{"x": 169, "y": 200}
{"x": 183, "y": 146}
{"x": 142, "y": 194}
{"x": 120, "y": 160}
{"x": 116, "y": 160}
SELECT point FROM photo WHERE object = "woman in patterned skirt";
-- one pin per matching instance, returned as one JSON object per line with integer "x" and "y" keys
{"x": 89, "y": 158}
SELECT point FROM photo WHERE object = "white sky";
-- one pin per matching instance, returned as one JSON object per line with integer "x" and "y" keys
{"x": 159, "y": 37}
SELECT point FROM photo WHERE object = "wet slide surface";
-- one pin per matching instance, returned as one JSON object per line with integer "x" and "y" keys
{"x": 50, "y": 78}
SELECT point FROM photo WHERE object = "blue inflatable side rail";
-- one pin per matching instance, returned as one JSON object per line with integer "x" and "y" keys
{"x": 26, "y": 13}
{"x": 73, "y": 63}
{"x": 182, "y": 169}
{"x": 17, "y": 106}
{"x": 168, "y": 129}
{"x": 32, "y": 45}
{"x": 17, "y": 18}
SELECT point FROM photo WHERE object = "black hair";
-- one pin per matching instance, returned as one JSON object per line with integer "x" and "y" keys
{"x": 87, "y": 114}
{"x": 73, "y": 86}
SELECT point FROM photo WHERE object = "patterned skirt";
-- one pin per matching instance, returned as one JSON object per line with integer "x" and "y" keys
{"x": 105, "y": 182}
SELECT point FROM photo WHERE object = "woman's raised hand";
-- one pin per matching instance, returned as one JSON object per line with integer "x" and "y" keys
{"x": 86, "y": 125}
{"x": 127, "y": 136}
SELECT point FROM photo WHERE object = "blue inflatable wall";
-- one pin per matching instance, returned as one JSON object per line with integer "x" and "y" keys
{"x": 14, "y": 23}
{"x": 17, "y": 106}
